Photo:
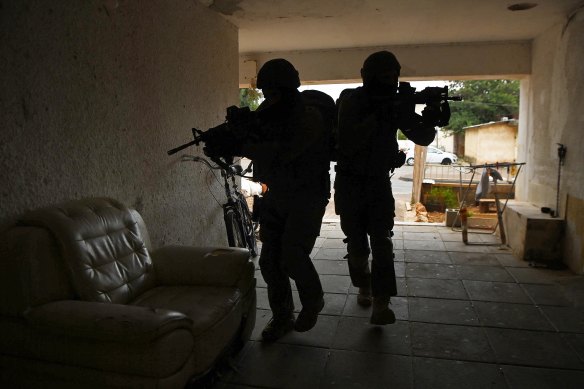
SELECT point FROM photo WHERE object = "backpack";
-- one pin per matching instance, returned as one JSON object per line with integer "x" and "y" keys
{"x": 328, "y": 110}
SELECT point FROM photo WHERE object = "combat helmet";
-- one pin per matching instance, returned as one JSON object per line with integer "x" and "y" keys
{"x": 278, "y": 73}
{"x": 379, "y": 62}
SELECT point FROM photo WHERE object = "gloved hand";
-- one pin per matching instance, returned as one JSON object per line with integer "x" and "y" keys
{"x": 436, "y": 115}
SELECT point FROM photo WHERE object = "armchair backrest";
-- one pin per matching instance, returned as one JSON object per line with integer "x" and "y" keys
{"x": 32, "y": 271}
{"x": 102, "y": 248}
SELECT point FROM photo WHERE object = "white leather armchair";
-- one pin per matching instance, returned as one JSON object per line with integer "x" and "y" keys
{"x": 85, "y": 302}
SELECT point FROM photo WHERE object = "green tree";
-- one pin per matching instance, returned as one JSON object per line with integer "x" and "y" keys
{"x": 250, "y": 97}
{"x": 483, "y": 101}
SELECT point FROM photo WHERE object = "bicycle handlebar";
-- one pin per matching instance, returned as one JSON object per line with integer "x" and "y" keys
{"x": 230, "y": 170}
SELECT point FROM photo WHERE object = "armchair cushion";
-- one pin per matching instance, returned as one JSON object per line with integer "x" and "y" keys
{"x": 161, "y": 357}
{"x": 186, "y": 265}
{"x": 215, "y": 312}
{"x": 106, "y": 322}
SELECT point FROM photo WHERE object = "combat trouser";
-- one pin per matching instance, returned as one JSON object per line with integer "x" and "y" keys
{"x": 289, "y": 227}
{"x": 367, "y": 208}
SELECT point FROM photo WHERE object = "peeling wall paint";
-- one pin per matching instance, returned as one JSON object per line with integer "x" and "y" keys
{"x": 95, "y": 92}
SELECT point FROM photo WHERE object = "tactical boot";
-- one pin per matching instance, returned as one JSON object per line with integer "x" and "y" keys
{"x": 381, "y": 314}
{"x": 364, "y": 296}
{"x": 308, "y": 316}
{"x": 276, "y": 328}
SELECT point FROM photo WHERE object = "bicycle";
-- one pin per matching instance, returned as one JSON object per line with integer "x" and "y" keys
{"x": 238, "y": 220}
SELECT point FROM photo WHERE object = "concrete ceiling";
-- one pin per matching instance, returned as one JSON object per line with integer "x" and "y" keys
{"x": 289, "y": 25}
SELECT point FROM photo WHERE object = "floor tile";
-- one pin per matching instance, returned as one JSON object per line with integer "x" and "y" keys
{"x": 461, "y": 315}
{"x": 547, "y": 294}
{"x": 400, "y": 282}
{"x": 419, "y": 228}
{"x": 483, "y": 273}
{"x": 398, "y": 244}
{"x": 278, "y": 366}
{"x": 448, "y": 289}
{"x": 260, "y": 283}
{"x": 328, "y": 227}
{"x": 566, "y": 319}
{"x": 546, "y": 349}
{"x": 399, "y": 255}
{"x": 436, "y": 245}
{"x": 332, "y": 243}
{"x": 334, "y": 303}
{"x": 319, "y": 241}
{"x": 447, "y": 374}
{"x": 325, "y": 266}
{"x": 346, "y": 369}
{"x": 335, "y": 234}
{"x": 321, "y": 335}
{"x": 262, "y": 298}
{"x": 442, "y": 311}
{"x": 262, "y": 318}
{"x": 397, "y": 234}
{"x": 519, "y": 316}
{"x": 399, "y": 306}
{"x": 400, "y": 269}
{"x": 536, "y": 276}
{"x": 357, "y": 334}
{"x": 509, "y": 260}
{"x": 425, "y": 256}
{"x": 504, "y": 292}
{"x": 537, "y": 378}
{"x": 431, "y": 270}
{"x": 489, "y": 238}
{"x": 465, "y": 248}
{"x": 451, "y": 236}
{"x": 450, "y": 342}
{"x": 336, "y": 254}
{"x": 576, "y": 341}
{"x": 314, "y": 251}
{"x": 410, "y": 235}
{"x": 478, "y": 259}
{"x": 335, "y": 284}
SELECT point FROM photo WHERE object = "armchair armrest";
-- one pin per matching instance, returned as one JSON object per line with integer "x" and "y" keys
{"x": 209, "y": 266}
{"x": 106, "y": 322}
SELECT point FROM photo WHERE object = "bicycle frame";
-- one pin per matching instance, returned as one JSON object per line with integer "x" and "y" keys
{"x": 236, "y": 214}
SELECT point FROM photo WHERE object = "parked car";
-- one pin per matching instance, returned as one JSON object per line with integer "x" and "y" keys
{"x": 433, "y": 155}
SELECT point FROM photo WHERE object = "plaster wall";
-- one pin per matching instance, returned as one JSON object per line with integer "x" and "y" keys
{"x": 557, "y": 116}
{"x": 444, "y": 141}
{"x": 94, "y": 93}
{"x": 490, "y": 143}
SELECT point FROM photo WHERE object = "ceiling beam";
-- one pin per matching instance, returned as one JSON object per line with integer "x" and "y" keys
{"x": 419, "y": 62}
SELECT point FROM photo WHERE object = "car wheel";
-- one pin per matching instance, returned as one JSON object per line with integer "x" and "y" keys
{"x": 446, "y": 161}
{"x": 410, "y": 161}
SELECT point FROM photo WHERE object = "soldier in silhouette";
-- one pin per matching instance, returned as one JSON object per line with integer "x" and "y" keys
{"x": 369, "y": 118}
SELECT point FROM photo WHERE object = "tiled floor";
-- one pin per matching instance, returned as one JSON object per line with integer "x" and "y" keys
{"x": 468, "y": 317}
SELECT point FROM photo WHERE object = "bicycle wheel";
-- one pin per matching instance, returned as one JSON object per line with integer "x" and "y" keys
{"x": 235, "y": 235}
{"x": 248, "y": 226}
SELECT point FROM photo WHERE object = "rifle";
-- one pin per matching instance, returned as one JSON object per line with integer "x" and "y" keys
{"x": 437, "y": 111}
{"x": 222, "y": 141}
{"x": 429, "y": 96}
